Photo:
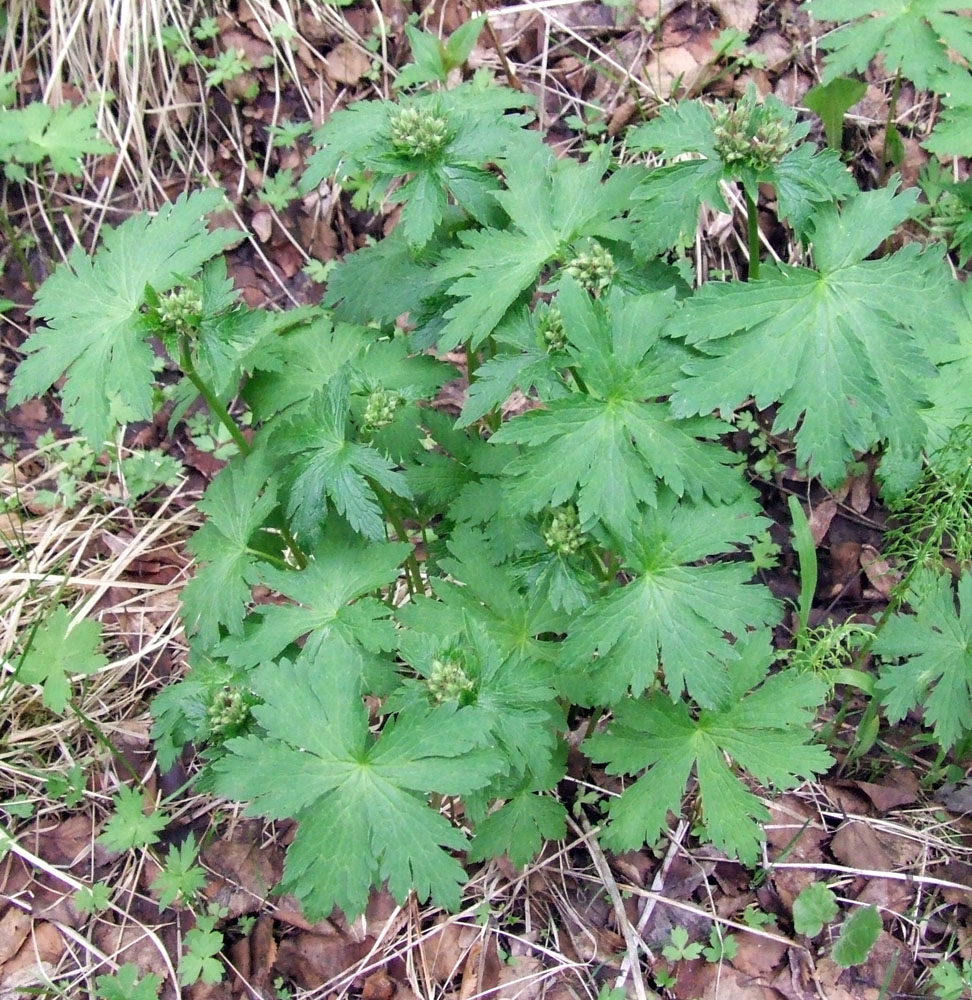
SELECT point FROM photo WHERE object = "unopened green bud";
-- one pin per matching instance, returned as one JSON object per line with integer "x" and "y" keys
{"x": 563, "y": 533}
{"x": 551, "y": 328}
{"x": 594, "y": 270}
{"x": 179, "y": 311}
{"x": 418, "y": 131}
{"x": 448, "y": 680}
{"x": 228, "y": 709}
{"x": 380, "y": 409}
{"x": 751, "y": 134}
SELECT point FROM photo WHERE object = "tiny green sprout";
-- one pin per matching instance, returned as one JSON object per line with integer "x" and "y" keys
{"x": 380, "y": 409}
{"x": 418, "y": 131}
{"x": 180, "y": 311}
{"x": 447, "y": 679}
{"x": 595, "y": 269}
{"x": 550, "y": 326}
{"x": 563, "y": 533}
{"x": 751, "y": 134}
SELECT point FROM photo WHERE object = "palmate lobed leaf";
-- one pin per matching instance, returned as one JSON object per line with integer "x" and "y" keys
{"x": 764, "y": 729}
{"x": 38, "y": 132}
{"x": 912, "y": 36}
{"x": 364, "y": 798}
{"x": 928, "y": 657}
{"x": 613, "y": 444}
{"x": 672, "y": 613}
{"x": 550, "y": 203}
{"x": 845, "y": 360}
{"x": 91, "y": 304}
{"x": 236, "y": 503}
{"x": 330, "y": 607}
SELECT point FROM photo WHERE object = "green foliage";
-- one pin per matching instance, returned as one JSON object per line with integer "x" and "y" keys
{"x": 815, "y": 906}
{"x": 127, "y": 984}
{"x": 435, "y": 59}
{"x": 850, "y": 364}
{"x": 203, "y": 943}
{"x": 39, "y": 134}
{"x": 927, "y": 41}
{"x": 130, "y": 826}
{"x": 56, "y": 651}
{"x": 927, "y": 658}
{"x": 761, "y": 727}
{"x": 93, "y": 899}
{"x": 680, "y": 948}
{"x": 180, "y": 877}
{"x": 95, "y": 332}
{"x": 831, "y": 101}
{"x": 441, "y": 142}
{"x": 395, "y": 616}
{"x": 748, "y": 142}
{"x": 363, "y": 797}
{"x": 913, "y": 38}
{"x": 858, "y": 934}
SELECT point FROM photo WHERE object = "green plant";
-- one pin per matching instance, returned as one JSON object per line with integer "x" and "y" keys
{"x": 951, "y": 982}
{"x": 918, "y": 40}
{"x": 593, "y": 552}
{"x": 435, "y": 59}
{"x": 203, "y": 943}
{"x": 58, "y": 137}
{"x": 55, "y": 650}
{"x": 130, "y": 826}
{"x": 126, "y": 984}
{"x": 180, "y": 878}
{"x": 816, "y": 906}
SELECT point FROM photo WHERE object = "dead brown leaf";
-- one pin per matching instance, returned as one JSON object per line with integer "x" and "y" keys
{"x": 881, "y": 575}
{"x": 820, "y": 518}
{"x": 244, "y": 872}
{"x": 311, "y": 960}
{"x": 738, "y": 14}
{"x": 14, "y": 928}
{"x": 346, "y": 63}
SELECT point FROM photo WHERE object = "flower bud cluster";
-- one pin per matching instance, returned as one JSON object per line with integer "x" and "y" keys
{"x": 550, "y": 326}
{"x": 380, "y": 409}
{"x": 563, "y": 534}
{"x": 448, "y": 680}
{"x": 751, "y": 134}
{"x": 418, "y": 131}
{"x": 228, "y": 709}
{"x": 594, "y": 270}
{"x": 179, "y": 311}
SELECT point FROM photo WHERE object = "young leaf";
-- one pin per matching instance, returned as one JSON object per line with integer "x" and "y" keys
{"x": 765, "y": 732}
{"x": 39, "y": 132}
{"x": 848, "y": 359}
{"x": 127, "y": 984}
{"x": 857, "y": 937}
{"x": 490, "y": 596}
{"x": 203, "y": 944}
{"x": 608, "y": 444}
{"x": 551, "y": 203}
{"x": 180, "y": 878}
{"x": 442, "y": 142}
{"x": 325, "y": 465}
{"x": 676, "y": 609}
{"x": 519, "y": 828}
{"x": 236, "y": 503}
{"x": 341, "y": 570}
{"x": 831, "y": 101}
{"x": 362, "y": 797}
{"x": 913, "y": 38}
{"x": 934, "y": 647}
{"x": 669, "y": 198}
{"x": 130, "y": 826}
{"x": 57, "y": 651}
{"x": 95, "y": 332}
{"x": 815, "y": 906}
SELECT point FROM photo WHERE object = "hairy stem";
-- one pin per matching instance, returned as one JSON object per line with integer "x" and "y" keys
{"x": 219, "y": 411}
{"x": 889, "y": 126}
{"x": 752, "y": 235}
{"x": 413, "y": 574}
